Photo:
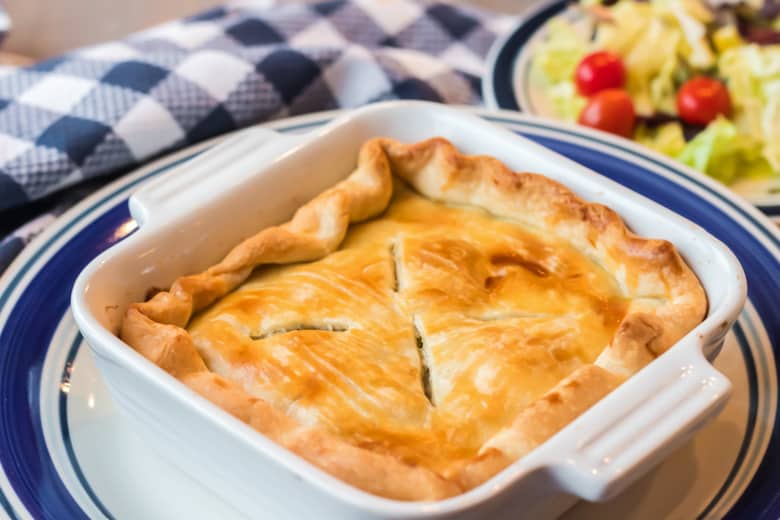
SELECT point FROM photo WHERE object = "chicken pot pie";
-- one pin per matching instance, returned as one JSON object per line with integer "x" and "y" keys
{"x": 425, "y": 322}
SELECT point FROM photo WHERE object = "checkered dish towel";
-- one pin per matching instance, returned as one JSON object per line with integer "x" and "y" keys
{"x": 105, "y": 108}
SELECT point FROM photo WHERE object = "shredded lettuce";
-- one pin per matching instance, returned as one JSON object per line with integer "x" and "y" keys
{"x": 663, "y": 43}
{"x": 629, "y": 21}
{"x": 555, "y": 61}
{"x": 559, "y": 54}
{"x": 662, "y": 88}
{"x": 722, "y": 152}
{"x": 651, "y": 38}
{"x": 753, "y": 74}
{"x": 727, "y": 37}
{"x": 565, "y": 100}
{"x": 692, "y": 18}
{"x": 667, "y": 139}
{"x": 652, "y": 41}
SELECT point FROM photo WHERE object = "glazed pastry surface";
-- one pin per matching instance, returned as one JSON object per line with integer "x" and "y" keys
{"x": 425, "y": 333}
{"x": 424, "y": 323}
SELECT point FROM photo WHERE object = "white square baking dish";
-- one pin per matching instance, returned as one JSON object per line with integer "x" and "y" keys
{"x": 190, "y": 217}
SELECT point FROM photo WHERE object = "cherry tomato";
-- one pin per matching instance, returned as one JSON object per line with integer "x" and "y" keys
{"x": 701, "y": 99}
{"x": 610, "y": 110}
{"x": 599, "y": 71}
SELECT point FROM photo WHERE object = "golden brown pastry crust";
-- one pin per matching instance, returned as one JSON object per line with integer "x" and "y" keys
{"x": 667, "y": 301}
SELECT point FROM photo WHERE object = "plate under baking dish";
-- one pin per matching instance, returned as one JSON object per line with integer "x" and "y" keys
{"x": 192, "y": 216}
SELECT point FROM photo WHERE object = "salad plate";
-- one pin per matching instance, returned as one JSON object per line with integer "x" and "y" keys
{"x": 65, "y": 451}
{"x": 513, "y": 83}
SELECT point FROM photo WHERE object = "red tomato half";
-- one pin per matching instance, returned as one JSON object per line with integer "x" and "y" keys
{"x": 610, "y": 110}
{"x": 700, "y": 100}
{"x": 599, "y": 71}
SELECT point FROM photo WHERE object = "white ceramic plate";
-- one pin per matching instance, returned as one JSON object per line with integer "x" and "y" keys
{"x": 508, "y": 84}
{"x": 66, "y": 452}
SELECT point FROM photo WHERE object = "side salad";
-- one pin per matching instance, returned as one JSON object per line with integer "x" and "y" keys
{"x": 698, "y": 80}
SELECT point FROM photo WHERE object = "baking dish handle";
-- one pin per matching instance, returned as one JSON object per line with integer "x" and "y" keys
{"x": 659, "y": 409}
{"x": 206, "y": 174}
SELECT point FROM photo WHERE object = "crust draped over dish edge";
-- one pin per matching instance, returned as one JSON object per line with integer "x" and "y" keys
{"x": 668, "y": 301}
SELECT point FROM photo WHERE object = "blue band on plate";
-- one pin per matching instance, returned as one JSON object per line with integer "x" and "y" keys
{"x": 65, "y": 429}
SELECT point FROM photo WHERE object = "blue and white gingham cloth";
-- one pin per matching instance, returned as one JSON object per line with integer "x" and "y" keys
{"x": 103, "y": 109}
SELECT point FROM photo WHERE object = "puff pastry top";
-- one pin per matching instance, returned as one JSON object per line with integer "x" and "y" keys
{"x": 416, "y": 354}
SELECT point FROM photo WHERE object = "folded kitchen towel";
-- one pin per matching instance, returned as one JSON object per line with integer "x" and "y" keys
{"x": 106, "y": 108}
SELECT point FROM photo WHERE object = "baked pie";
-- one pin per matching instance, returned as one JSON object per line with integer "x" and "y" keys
{"x": 424, "y": 323}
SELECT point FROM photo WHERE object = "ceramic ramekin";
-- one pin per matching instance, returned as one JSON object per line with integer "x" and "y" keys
{"x": 190, "y": 217}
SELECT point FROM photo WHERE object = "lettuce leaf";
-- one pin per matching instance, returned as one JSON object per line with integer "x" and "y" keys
{"x": 722, "y": 152}
{"x": 692, "y": 17}
{"x": 565, "y": 100}
{"x": 554, "y": 63}
{"x": 667, "y": 139}
{"x": 558, "y": 55}
{"x": 753, "y": 73}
